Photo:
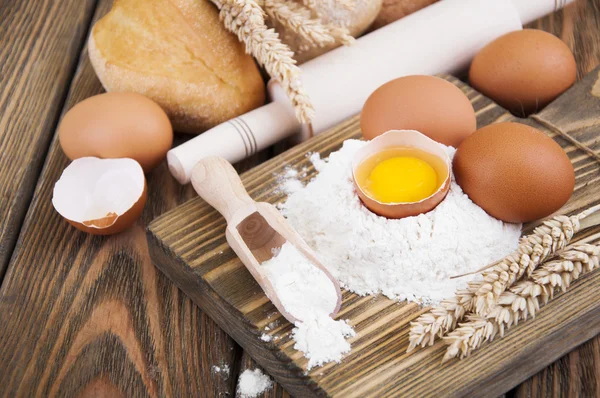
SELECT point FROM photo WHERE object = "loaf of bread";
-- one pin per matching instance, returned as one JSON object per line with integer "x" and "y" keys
{"x": 393, "y": 10}
{"x": 177, "y": 53}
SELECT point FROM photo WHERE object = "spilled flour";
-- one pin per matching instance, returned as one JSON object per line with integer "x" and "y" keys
{"x": 266, "y": 338}
{"x": 411, "y": 258}
{"x": 306, "y": 293}
{"x": 253, "y": 383}
{"x": 223, "y": 370}
{"x": 322, "y": 339}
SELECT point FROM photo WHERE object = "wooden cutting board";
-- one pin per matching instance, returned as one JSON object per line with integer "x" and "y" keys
{"x": 188, "y": 245}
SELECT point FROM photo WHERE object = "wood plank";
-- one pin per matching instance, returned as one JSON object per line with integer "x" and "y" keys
{"x": 188, "y": 245}
{"x": 574, "y": 375}
{"x": 40, "y": 43}
{"x": 577, "y": 26}
{"x": 85, "y": 315}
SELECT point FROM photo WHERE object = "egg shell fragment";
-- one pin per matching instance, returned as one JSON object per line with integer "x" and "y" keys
{"x": 514, "y": 172}
{"x": 117, "y": 125}
{"x": 406, "y": 139}
{"x": 433, "y": 106}
{"x": 101, "y": 196}
{"x": 524, "y": 71}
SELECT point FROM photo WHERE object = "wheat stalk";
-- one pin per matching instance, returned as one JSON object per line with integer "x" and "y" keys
{"x": 545, "y": 241}
{"x": 533, "y": 249}
{"x": 341, "y": 34}
{"x": 313, "y": 5}
{"x": 297, "y": 18}
{"x": 523, "y": 300}
{"x": 439, "y": 320}
{"x": 552, "y": 236}
{"x": 246, "y": 19}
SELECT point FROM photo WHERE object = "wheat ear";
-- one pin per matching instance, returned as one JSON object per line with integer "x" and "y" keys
{"x": 313, "y": 5}
{"x": 523, "y": 300}
{"x": 297, "y": 18}
{"x": 341, "y": 34}
{"x": 550, "y": 237}
{"x": 246, "y": 19}
{"x": 439, "y": 320}
{"x": 534, "y": 248}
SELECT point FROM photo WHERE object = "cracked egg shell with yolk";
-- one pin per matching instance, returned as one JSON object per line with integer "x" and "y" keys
{"x": 412, "y": 141}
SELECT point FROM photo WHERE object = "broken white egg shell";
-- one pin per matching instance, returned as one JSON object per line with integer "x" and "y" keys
{"x": 101, "y": 196}
{"x": 403, "y": 139}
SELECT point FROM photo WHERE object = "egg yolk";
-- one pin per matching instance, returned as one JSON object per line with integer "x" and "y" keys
{"x": 402, "y": 179}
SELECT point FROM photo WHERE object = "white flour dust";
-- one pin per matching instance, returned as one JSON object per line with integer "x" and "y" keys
{"x": 411, "y": 258}
{"x": 307, "y": 293}
{"x": 223, "y": 370}
{"x": 266, "y": 338}
{"x": 322, "y": 339}
{"x": 252, "y": 383}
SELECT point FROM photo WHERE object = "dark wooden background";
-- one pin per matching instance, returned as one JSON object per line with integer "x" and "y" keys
{"x": 84, "y": 315}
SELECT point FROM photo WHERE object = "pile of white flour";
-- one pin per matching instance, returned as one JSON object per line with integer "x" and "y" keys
{"x": 322, "y": 339}
{"x": 411, "y": 258}
{"x": 306, "y": 293}
{"x": 253, "y": 383}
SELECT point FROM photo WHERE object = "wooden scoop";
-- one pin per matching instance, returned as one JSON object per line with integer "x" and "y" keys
{"x": 254, "y": 229}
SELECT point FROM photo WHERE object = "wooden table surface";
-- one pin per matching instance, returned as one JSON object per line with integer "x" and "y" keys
{"x": 85, "y": 315}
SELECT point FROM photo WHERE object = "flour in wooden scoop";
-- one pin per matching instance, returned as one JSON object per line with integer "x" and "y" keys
{"x": 308, "y": 294}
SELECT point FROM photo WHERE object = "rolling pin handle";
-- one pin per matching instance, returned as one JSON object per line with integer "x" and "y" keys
{"x": 235, "y": 139}
{"x": 217, "y": 182}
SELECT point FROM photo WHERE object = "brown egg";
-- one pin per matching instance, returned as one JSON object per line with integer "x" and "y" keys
{"x": 117, "y": 125}
{"x": 524, "y": 71}
{"x": 514, "y": 172}
{"x": 428, "y": 104}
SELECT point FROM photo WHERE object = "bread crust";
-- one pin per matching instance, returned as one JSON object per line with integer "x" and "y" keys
{"x": 393, "y": 10}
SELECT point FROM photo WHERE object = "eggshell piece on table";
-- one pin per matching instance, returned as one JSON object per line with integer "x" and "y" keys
{"x": 524, "y": 71}
{"x": 428, "y": 104}
{"x": 101, "y": 196}
{"x": 403, "y": 139}
{"x": 117, "y": 125}
{"x": 514, "y": 172}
